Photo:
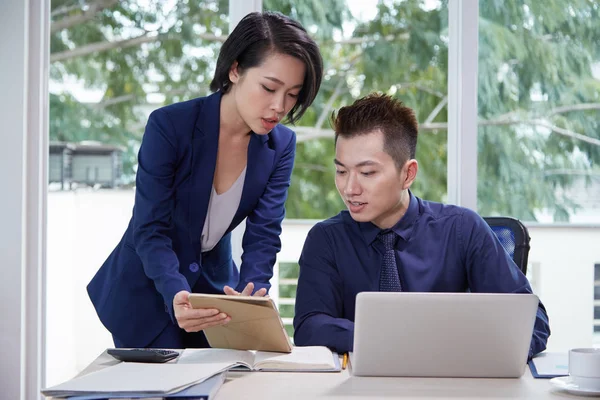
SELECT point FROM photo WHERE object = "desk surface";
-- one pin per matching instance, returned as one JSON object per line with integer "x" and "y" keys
{"x": 332, "y": 385}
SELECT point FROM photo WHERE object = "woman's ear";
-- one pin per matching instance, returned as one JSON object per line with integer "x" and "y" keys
{"x": 234, "y": 73}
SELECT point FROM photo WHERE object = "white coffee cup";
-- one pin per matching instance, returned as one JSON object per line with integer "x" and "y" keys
{"x": 584, "y": 368}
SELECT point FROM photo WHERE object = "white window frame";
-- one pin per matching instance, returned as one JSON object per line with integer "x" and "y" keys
{"x": 463, "y": 53}
{"x": 24, "y": 44}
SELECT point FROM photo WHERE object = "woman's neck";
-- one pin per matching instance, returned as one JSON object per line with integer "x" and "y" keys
{"x": 231, "y": 123}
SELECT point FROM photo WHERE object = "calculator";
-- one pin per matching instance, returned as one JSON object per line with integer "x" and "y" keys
{"x": 143, "y": 355}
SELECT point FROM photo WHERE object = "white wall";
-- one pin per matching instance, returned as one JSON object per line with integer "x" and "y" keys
{"x": 83, "y": 228}
{"x": 563, "y": 259}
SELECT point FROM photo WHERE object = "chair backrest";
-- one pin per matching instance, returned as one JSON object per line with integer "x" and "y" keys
{"x": 513, "y": 236}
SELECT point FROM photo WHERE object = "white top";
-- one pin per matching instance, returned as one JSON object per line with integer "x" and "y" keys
{"x": 221, "y": 210}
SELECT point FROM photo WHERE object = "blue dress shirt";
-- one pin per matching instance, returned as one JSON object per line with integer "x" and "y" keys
{"x": 440, "y": 248}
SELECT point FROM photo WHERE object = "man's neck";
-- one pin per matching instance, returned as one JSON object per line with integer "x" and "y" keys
{"x": 391, "y": 218}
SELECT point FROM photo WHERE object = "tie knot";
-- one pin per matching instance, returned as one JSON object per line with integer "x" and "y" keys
{"x": 388, "y": 238}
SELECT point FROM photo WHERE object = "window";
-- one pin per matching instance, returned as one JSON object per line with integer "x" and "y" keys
{"x": 396, "y": 47}
{"x": 538, "y": 103}
{"x": 155, "y": 53}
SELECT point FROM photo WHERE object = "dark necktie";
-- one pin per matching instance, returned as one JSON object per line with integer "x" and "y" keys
{"x": 389, "y": 281}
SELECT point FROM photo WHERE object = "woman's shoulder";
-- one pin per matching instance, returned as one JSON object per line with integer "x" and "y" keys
{"x": 281, "y": 135}
{"x": 182, "y": 110}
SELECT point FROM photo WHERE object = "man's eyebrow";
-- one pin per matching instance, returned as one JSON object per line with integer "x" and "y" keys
{"x": 366, "y": 163}
{"x": 360, "y": 164}
{"x": 281, "y": 82}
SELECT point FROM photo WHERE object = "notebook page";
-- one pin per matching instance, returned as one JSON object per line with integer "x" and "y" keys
{"x": 209, "y": 356}
{"x": 301, "y": 358}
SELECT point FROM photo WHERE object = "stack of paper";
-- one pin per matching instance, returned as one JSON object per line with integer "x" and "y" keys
{"x": 205, "y": 390}
{"x": 137, "y": 380}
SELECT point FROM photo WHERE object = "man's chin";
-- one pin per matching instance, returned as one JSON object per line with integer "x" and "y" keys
{"x": 359, "y": 217}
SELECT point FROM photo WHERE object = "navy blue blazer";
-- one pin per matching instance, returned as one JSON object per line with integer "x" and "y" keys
{"x": 160, "y": 252}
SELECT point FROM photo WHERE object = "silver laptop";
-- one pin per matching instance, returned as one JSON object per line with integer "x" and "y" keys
{"x": 442, "y": 334}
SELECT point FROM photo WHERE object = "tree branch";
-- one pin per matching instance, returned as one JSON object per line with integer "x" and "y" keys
{"x": 124, "y": 43}
{"x": 64, "y": 10}
{"x": 312, "y": 167}
{"x": 130, "y": 97}
{"x": 114, "y": 100}
{"x": 566, "y": 132}
{"x": 307, "y": 133}
{"x": 103, "y": 46}
{"x": 329, "y": 104}
{"x": 576, "y": 172}
{"x": 574, "y": 107}
{"x": 366, "y": 39}
{"x": 436, "y": 110}
{"x": 88, "y": 14}
{"x": 420, "y": 86}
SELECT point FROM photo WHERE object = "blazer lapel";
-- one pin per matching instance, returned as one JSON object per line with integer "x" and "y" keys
{"x": 204, "y": 160}
{"x": 258, "y": 170}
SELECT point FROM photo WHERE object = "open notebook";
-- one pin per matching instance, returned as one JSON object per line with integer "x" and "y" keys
{"x": 301, "y": 359}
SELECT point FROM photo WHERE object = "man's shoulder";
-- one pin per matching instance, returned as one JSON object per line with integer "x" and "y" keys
{"x": 332, "y": 224}
{"x": 441, "y": 210}
{"x": 463, "y": 218}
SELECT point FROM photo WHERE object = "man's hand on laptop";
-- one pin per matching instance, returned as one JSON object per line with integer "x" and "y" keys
{"x": 195, "y": 320}
{"x": 246, "y": 292}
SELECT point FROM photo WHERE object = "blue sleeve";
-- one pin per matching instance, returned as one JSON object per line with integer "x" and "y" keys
{"x": 154, "y": 204}
{"x": 490, "y": 269}
{"x": 319, "y": 300}
{"x": 261, "y": 241}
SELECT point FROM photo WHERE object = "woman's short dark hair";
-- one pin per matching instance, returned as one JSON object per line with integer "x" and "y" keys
{"x": 259, "y": 34}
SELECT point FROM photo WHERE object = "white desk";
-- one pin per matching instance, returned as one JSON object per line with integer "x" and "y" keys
{"x": 291, "y": 386}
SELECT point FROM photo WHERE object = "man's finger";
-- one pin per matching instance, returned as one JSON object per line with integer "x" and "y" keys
{"x": 260, "y": 292}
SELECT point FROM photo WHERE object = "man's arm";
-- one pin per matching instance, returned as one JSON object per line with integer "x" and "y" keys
{"x": 319, "y": 299}
{"x": 491, "y": 270}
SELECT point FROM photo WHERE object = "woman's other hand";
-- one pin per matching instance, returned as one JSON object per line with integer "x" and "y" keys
{"x": 246, "y": 292}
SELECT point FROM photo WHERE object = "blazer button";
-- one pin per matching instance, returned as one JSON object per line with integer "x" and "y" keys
{"x": 194, "y": 267}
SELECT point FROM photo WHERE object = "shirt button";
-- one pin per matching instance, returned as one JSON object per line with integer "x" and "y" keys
{"x": 194, "y": 267}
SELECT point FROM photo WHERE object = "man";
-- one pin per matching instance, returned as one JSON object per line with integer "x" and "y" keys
{"x": 390, "y": 240}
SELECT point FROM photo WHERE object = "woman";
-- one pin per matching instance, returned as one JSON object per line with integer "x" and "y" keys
{"x": 204, "y": 166}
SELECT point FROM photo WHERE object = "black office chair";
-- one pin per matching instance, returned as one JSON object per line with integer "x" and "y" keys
{"x": 513, "y": 236}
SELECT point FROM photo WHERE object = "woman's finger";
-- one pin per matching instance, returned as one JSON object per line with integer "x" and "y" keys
{"x": 248, "y": 289}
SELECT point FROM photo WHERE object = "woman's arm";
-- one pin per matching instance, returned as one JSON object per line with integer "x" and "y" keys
{"x": 261, "y": 241}
{"x": 154, "y": 205}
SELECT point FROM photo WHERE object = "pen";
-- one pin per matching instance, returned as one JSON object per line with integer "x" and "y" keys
{"x": 345, "y": 361}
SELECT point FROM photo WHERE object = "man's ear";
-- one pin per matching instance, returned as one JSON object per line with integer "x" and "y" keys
{"x": 411, "y": 167}
{"x": 234, "y": 72}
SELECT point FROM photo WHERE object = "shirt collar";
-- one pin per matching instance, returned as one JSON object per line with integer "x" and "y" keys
{"x": 403, "y": 228}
